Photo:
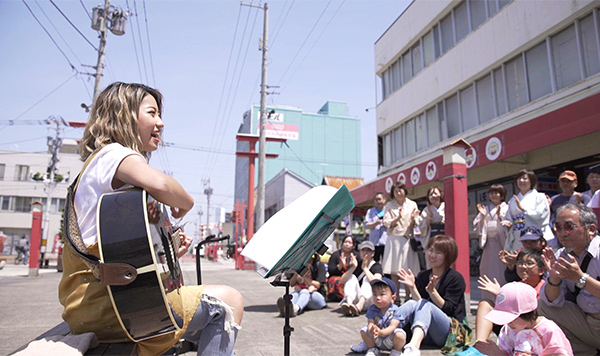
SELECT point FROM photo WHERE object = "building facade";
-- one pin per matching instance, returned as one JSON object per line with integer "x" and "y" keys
{"x": 18, "y": 189}
{"x": 518, "y": 80}
{"x": 323, "y": 143}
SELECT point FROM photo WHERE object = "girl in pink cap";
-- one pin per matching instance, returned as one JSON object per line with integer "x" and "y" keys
{"x": 524, "y": 332}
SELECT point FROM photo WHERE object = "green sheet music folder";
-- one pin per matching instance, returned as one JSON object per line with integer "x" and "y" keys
{"x": 290, "y": 237}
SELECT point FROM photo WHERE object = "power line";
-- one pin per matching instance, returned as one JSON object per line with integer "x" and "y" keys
{"x": 75, "y": 27}
{"x": 225, "y": 119}
{"x": 42, "y": 99}
{"x": 137, "y": 59}
{"x": 137, "y": 21}
{"x": 49, "y": 35}
{"x": 305, "y": 40}
{"x": 312, "y": 46}
{"x": 58, "y": 32}
{"x": 149, "y": 46}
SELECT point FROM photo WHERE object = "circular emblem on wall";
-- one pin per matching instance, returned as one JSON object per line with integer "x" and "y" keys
{"x": 415, "y": 175}
{"x": 493, "y": 148}
{"x": 470, "y": 156}
{"x": 401, "y": 178}
{"x": 430, "y": 170}
{"x": 388, "y": 184}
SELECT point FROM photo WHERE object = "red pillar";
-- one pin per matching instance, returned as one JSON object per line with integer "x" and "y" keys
{"x": 250, "y": 209}
{"x": 454, "y": 173}
{"x": 36, "y": 238}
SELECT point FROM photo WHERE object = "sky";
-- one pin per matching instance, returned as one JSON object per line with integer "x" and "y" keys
{"x": 204, "y": 57}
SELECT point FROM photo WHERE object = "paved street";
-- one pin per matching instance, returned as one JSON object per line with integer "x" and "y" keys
{"x": 29, "y": 306}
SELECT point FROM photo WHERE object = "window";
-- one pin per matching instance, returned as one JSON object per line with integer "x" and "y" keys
{"x": 21, "y": 172}
{"x": 447, "y": 33}
{"x": 387, "y": 149}
{"x": 2, "y": 167}
{"x": 502, "y": 3}
{"x": 565, "y": 58}
{"x": 538, "y": 71}
{"x": 485, "y": 99}
{"x": 22, "y": 204}
{"x": 452, "y": 116}
{"x": 428, "y": 53}
{"x": 409, "y": 134}
{"x": 436, "y": 41}
{"x": 492, "y": 7}
{"x": 396, "y": 76}
{"x": 478, "y": 15}
{"x": 387, "y": 88}
{"x": 500, "y": 94}
{"x": 589, "y": 45}
{"x": 406, "y": 66}
{"x": 421, "y": 132}
{"x": 398, "y": 145}
{"x": 515, "y": 83}
{"x": 468, "y": 108}
{"x": 433, "y": 127}
{"x": 416, "y": 58}
{"x": 4, "y": 203}
{"x": 461, "y": 21}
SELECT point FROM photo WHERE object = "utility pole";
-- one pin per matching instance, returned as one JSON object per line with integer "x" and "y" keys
{"x": 262, "y": 142}
{"x": 208, "y": 191}
{"x": 100, "y": 63}
{"x": 104, "y": 19}
{"x": 54, "y": 144}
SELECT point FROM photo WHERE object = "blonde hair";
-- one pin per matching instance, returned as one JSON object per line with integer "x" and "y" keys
{"x": 114, "y": 116}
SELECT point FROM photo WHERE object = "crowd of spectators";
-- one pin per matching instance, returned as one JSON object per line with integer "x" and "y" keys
{"x": 539, "y": 274}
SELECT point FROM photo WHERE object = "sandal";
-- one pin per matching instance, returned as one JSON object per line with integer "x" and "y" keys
{"x": 354, "y": 310}
{"x": 346, "y": 309}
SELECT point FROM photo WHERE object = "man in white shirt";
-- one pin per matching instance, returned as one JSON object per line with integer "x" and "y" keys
{"x": 571, "y": 296}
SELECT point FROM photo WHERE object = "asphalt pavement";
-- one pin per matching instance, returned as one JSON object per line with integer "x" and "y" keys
{"x": 29, "y": 306}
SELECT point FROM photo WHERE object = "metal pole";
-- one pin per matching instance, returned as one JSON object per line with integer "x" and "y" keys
{"x": 260, "y": 203}
{"x": 100, "y": 64}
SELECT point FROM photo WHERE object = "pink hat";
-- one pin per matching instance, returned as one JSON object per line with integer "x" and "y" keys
{"x": 513, "y": 299}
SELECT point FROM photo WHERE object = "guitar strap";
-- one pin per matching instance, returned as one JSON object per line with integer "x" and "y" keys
{"x": 106, "y": 273}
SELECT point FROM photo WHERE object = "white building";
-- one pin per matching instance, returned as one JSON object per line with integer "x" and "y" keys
{"x": 519, "y": 80}
{"x": 18, "y": 190}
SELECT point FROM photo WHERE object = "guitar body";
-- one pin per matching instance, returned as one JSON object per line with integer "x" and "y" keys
{"x": 125, "y": 235}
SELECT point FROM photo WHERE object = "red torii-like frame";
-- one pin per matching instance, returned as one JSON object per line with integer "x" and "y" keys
{"x": 252, "y": 155}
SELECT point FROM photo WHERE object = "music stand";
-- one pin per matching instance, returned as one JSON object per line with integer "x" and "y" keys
{"x": 309, "y": 220}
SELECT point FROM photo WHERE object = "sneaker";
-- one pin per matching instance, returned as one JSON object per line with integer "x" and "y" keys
{"x": 281, "y": 306}
{"x": 346, "y": 309}
{"x": 410, "y": 350}
{"x": 372, "y": 352}
{"x": 295, "y": 310}
{"x": 360, "y": 348}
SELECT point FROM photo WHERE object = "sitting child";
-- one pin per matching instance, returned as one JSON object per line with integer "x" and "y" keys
{"x": 524, "y": 332}
{"x": 382, "y": 331}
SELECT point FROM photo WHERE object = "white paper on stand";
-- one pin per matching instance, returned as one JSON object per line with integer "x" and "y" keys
{"x": 273, "y": 240}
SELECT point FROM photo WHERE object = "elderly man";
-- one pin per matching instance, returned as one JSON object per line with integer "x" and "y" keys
{"x": 571, "y": 296}
{"x": 374, "y": 222}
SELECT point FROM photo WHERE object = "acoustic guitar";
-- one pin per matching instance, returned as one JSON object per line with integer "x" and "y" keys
{"x": 128, "y": 234}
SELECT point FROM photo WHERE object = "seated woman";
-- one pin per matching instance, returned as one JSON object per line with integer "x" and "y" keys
{"x": 339, "y": 263}
{"x": 309, "y": 290}
{"x": 437, "y": 297}
{"x": 357, "y": 290}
